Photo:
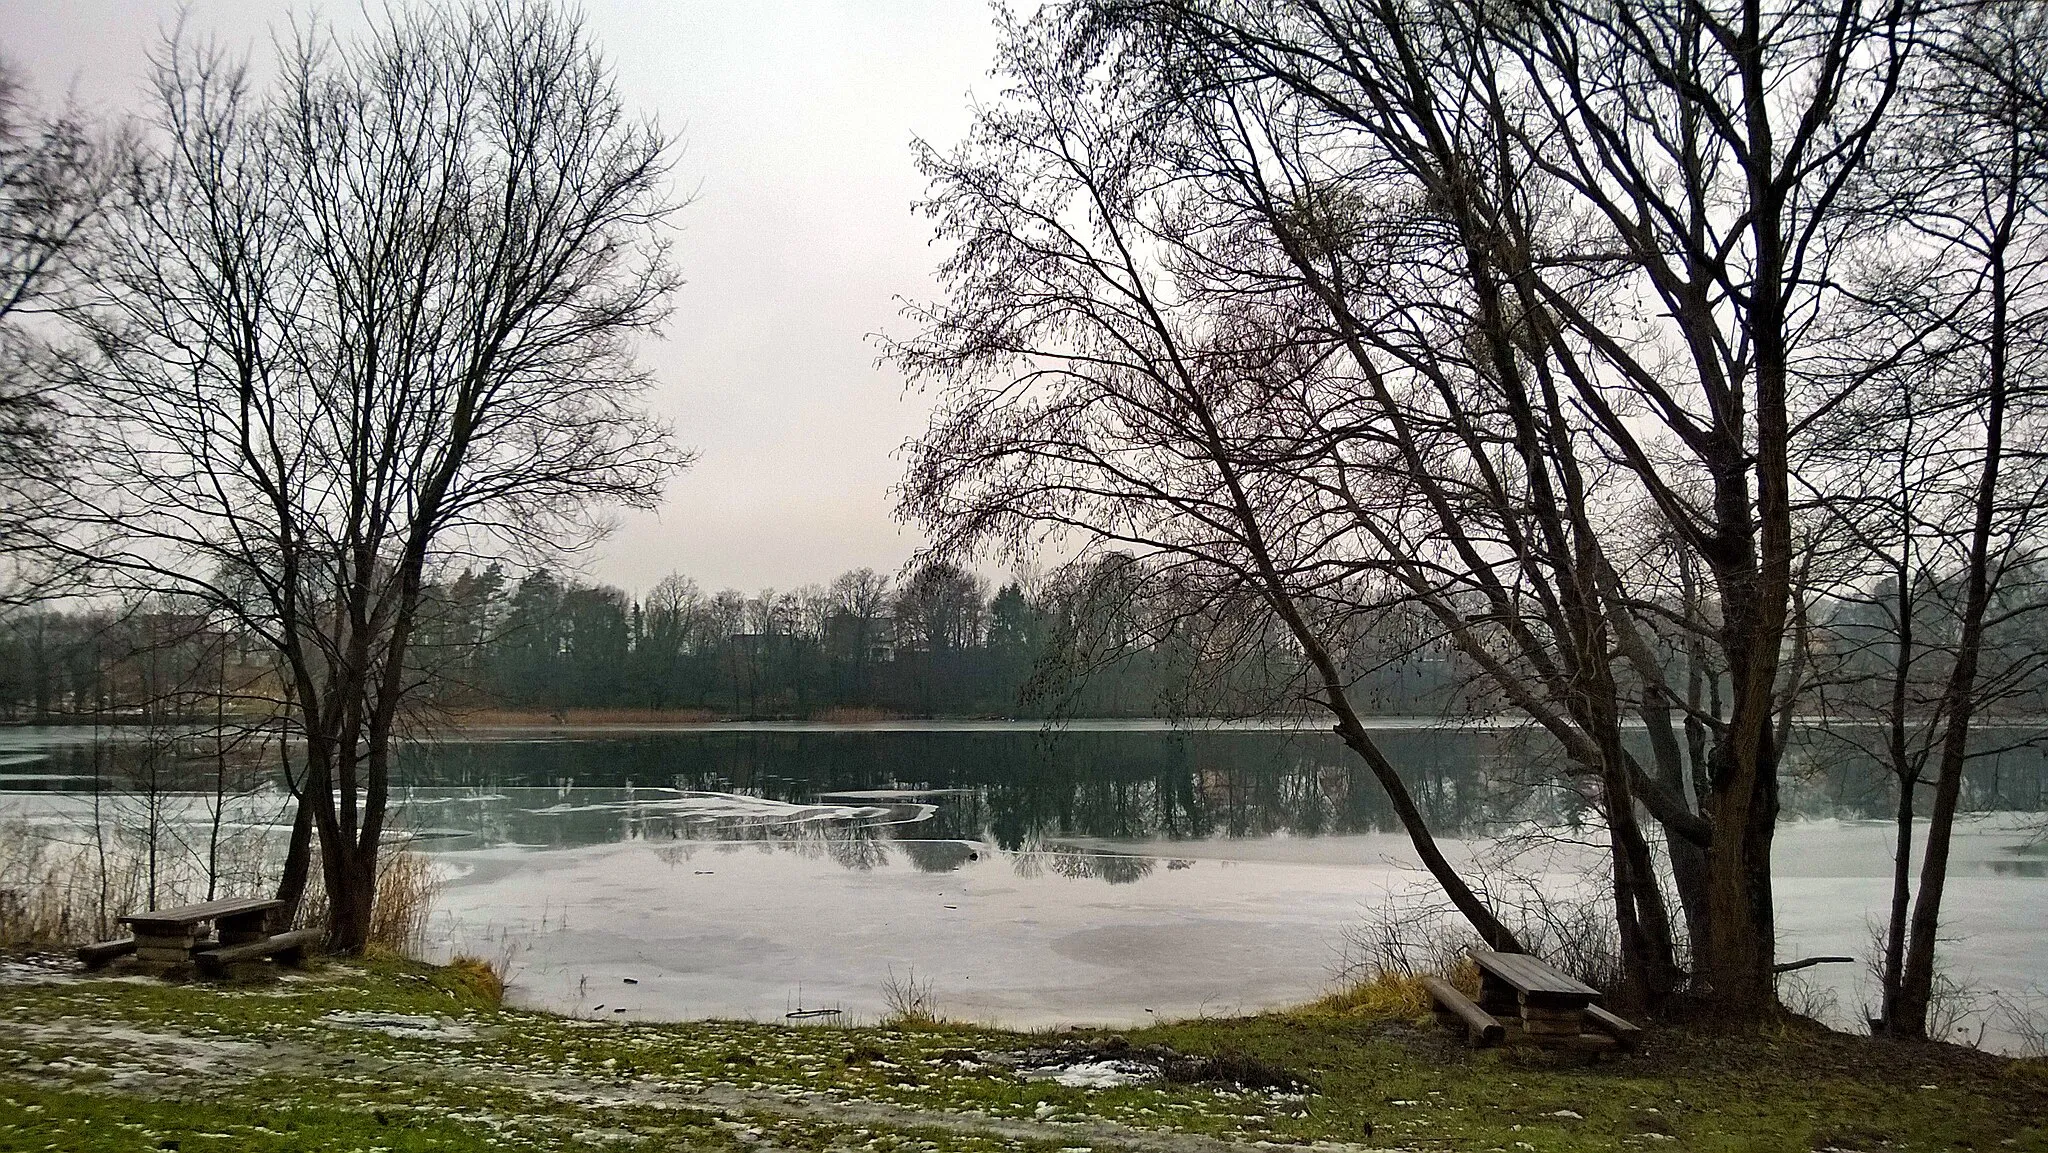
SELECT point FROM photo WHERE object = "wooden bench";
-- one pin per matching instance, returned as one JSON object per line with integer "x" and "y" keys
{"x": 1625, "y": 1035}
{"x": 98, "y": 954}
{"x": 1455, "y": 1010}
{"x": 171, "y": 936}
{"x": 289, "y": 948}
{"x": 1529, "y": 1000}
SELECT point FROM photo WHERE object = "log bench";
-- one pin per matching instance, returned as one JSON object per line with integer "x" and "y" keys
{"x": 100, "y": 953}
{"x": 1456, "y": 1011}
{"x": 289, "y": 948}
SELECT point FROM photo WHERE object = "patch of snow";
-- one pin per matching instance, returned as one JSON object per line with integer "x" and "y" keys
{"x": 1094, "y": 1074}
{"x": 38, "y": 969}
{"x": 406, "y": 1025}
{"x": 144, "y": 1052}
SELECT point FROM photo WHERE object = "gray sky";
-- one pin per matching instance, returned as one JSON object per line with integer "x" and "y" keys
{"x": 796, "y": 119}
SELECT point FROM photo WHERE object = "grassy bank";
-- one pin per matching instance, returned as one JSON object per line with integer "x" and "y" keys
{"x": 393, "y": 1056}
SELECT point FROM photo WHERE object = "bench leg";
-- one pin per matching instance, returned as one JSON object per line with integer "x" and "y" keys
{"x": 164, "y": 950}
{"x": 243, "y": 929}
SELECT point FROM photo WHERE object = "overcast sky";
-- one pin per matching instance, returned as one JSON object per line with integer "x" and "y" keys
{"x": 797, "y": 120}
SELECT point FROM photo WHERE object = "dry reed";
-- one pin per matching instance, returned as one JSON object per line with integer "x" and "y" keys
{"x": 407, "y": 886}
{"x": 1389, "y": 950}
{"x": 63, "y": 885}
{"x": 912, "y": 1002}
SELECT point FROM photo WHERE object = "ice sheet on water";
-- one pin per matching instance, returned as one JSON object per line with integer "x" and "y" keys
{"x": 708, "y": 806}
{"x": 891, "y": 794}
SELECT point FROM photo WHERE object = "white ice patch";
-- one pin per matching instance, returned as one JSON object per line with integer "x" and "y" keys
{"x": 738, "y": 808}
{"x": 1095, "y": 1074}
{"x": 38, "y": 969}
{"x": 406, "y": 1025}
{"x": 137, "y": 1050}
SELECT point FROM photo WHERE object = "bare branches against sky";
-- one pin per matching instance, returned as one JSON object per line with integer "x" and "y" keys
{"x": 796, "y": 121}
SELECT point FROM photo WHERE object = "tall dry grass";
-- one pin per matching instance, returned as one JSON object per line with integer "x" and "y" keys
{"x": 63, "y": 885}
{"x": 407, "y": 887}
{"x": 1394, "y": 945}
{"x": 54, "y": 894}
{"x": 486, "y": 975}
{"x": 913, "y": 1001}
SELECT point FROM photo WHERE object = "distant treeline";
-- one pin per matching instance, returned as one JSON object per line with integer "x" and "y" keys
{"x": 1088, "y": 640}
{"x": 938, "y": 643}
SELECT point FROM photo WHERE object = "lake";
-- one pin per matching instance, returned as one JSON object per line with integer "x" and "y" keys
{"x": 1101, "y": 872}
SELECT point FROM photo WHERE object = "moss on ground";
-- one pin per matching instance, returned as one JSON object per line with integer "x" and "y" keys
{"x": 390, "y": 1055}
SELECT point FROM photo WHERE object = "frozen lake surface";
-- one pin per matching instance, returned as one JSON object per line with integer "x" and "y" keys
{"x": 1102, "y": 931}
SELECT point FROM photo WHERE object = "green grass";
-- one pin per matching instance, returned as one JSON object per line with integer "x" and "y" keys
{"x": 104, "y": 1065}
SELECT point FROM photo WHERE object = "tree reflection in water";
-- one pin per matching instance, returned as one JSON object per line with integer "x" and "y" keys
{"x": 935, "y": 799}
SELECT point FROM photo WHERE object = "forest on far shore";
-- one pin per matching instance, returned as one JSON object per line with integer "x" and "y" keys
{"x": 941, "y": 642}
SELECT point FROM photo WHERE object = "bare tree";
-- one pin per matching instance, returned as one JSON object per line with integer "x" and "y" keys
{"x": 854, "y": 628}
{"x": 55, "y": 180}
{"x": 1089, "y": 388}
{"x": 940, "y": 608}
{"x": 674, "y": 610}
{"x": 361, "y": 323}
{"x": 1935, "y": 480}
{"x": 1500, "y": 312}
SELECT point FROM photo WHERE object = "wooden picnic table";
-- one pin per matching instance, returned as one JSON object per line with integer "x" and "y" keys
{"x": 171, "y": 936}
{"x": 1522, "y": 998}
{"x": 1514, "y": 980}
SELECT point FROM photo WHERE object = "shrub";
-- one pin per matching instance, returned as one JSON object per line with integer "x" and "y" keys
{"x": 485, "y": 978}
{"x": 912, "y": 1002}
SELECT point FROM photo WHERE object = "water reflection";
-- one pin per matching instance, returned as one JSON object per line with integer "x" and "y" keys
{"x": 857, "y": 836}
{"x": 934, "y": 799}
{"x": 1005, "y": 789}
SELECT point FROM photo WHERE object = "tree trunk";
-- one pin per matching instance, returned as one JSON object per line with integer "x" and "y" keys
{"x": 1902, "y": 887}
{"x": 351, "y": 895}
{"x": 1689, "y": 874}
{"x": 1475, "y": 911}
{"x": 1650, "y": 969}
{"x": 298, "y": 866}
{"x": 1741, "y": 942}
{"x": 1688, "y": 859}
{"x": 1960, "y": 695}
{"x": 298, "y": 855}
{"x": 1916, "y": 986}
